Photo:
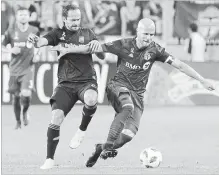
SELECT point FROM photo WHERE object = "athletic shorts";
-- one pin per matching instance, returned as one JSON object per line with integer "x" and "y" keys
{"x": 17, "y": 83}
{"x": 65, "y": 97}
{"x": 113, "y": 90}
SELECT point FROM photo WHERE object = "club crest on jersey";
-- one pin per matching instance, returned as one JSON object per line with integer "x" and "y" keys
{"x": 147, "y": 56}
{"x": 16, "y": 36}
{"x": 81, "y": 39}
{"x": 63, "y": 36}
{"x": 131, "y": 54}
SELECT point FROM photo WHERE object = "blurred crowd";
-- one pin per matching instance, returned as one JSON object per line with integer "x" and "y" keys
{"x": 104, "y": 17}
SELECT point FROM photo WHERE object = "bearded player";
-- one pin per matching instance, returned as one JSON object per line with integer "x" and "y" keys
{"x": 76, "y": 79}
{"x": 21, "y": 71}
{"x": 125, "y": 91}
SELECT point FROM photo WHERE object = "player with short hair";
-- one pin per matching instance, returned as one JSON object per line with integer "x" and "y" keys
{"x": 125, "y": 91}
{"x": 21, "y": 71}
{"x": 76, "y": 79}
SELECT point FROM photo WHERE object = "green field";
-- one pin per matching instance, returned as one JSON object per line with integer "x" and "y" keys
{"x": 188, "y": 138}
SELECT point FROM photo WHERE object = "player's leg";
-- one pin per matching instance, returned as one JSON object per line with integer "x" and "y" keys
{"x": 88, "y": 95}
{"x": 61, "y": 104}
{"x": 26, "y": 92}
{"x": 125, "y": 110}
{"x": 14, "y": 89}
{"x": 130, "y": 129}
{"x": 121, "y": 101}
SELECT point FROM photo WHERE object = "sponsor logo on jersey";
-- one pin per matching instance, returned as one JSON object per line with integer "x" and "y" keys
{"x": 63, "y": 36}
{"x": 131, "y": 66}
{"x": 135, "y": 67}
{"x": 81, "y": 39}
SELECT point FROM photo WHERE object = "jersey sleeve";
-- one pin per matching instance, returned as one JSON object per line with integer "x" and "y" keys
{"x": 162, "y": 55}
{"x": 52, "y": 37}
{"x": 112, "y": 47}
{"x": 92, "y": 35}
{"x": 6, "y": 38}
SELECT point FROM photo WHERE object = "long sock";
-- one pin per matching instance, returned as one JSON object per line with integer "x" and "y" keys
{"x": 87, "y": 114}
{"x": 52, "y": 140}
{"x": 122, "y": 140}
{"x": 117, "y": 126}
{"x": 17, "y": 108}
{"x": 26, "y": 103}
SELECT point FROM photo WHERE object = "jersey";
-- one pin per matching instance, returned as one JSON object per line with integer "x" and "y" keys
{"x": 73, "y": 67}
{"x": 20, "y": 64}
{"x": 134, "y": 65}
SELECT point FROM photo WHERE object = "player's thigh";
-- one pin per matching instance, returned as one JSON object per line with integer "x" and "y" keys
{"x": 118, "y": 96}
{"x": 62, "y": 99}
{"x": 88, "y": 93}
{"x": 26, "y": 82}
{"x": 14, "y": 85}
{"x": 133, "y": 122}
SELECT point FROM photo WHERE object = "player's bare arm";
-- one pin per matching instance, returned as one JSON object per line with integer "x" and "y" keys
{"x": 183, "y": 67}
{"x": 92, "y": 47}
{"x": 37, "y": 41}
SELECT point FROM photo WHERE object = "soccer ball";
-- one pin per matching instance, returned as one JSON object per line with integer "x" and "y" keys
{"x": 150, "y": 158}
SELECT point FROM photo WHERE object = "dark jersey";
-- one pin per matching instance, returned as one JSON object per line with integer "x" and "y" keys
{"x": 21, "y": 63}
{"x": 134, "y": 65}
{"x": 73, "y": 67}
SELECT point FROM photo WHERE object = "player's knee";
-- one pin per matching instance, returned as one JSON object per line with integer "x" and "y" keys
{"x": 57, "y": 117}
{"x": 26, "y": 92}
{"x": 90, "y": 97}
{"x": 126, "y": 102}
{"x": 15, "y": 99}
{"x": 129, "y": 132}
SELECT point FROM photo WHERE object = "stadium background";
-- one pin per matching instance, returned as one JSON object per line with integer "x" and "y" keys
{"x": 166, "y": 86}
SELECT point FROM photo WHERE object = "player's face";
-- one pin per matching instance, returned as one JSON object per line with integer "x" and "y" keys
{"x": 73, "y": 20}
{"x": 145, "y": 37}
{"x": 23, "y": 16}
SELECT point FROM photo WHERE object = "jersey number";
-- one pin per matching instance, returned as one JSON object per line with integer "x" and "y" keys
{"x": 146, "y": 65}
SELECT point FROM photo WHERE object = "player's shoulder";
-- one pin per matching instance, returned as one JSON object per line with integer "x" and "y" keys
{"x": 157, "y": 46}
{"x": 126, "y": 41}
{"x": 33, "y": 29}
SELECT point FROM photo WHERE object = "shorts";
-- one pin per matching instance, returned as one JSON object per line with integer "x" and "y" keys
{"x": 18, "y": 83}
{"x": 113, "y": 91}
{"x": 66, "y": 97}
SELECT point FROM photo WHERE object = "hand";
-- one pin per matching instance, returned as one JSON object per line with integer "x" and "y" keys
{"x": 32, "y": 38}
{"x": 62, "y": 50}
{"x": 208, "y": 85}
{"x": 93, "y": 46}
{"x": 16, "y": 50}
{"x": 97, "y": 31}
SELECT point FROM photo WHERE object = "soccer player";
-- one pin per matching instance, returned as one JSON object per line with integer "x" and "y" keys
{"x": 76, "y": 79}
{"x": 21, "y": 78}
{"x": 125, "y": 91}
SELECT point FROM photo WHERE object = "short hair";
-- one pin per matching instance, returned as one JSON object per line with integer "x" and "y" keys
{"x": 193, "y": 27}
{"x": 20, "y": 8}
{"x": 67, "y": 8}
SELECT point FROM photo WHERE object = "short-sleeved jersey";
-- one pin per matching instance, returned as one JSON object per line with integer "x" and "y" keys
{"x": 73, "y": 67}
{"x": 21, "y": 63}
{"x": 134, "y": 65}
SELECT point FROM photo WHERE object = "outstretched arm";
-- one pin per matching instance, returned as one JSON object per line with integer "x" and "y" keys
{"x": 91, "y": 47}
{"x": 37, "y": 41}
{"x": 183, "y": 67}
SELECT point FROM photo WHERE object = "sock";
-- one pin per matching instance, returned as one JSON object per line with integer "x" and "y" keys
{"x": 117, "y": 126}
{"x": 87, "y": 115}
{"x": 26, "y": 103}
{"x": 52, "y": 140}
{"x": 122, "y": 140}
{"x": 17, "y": 108}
